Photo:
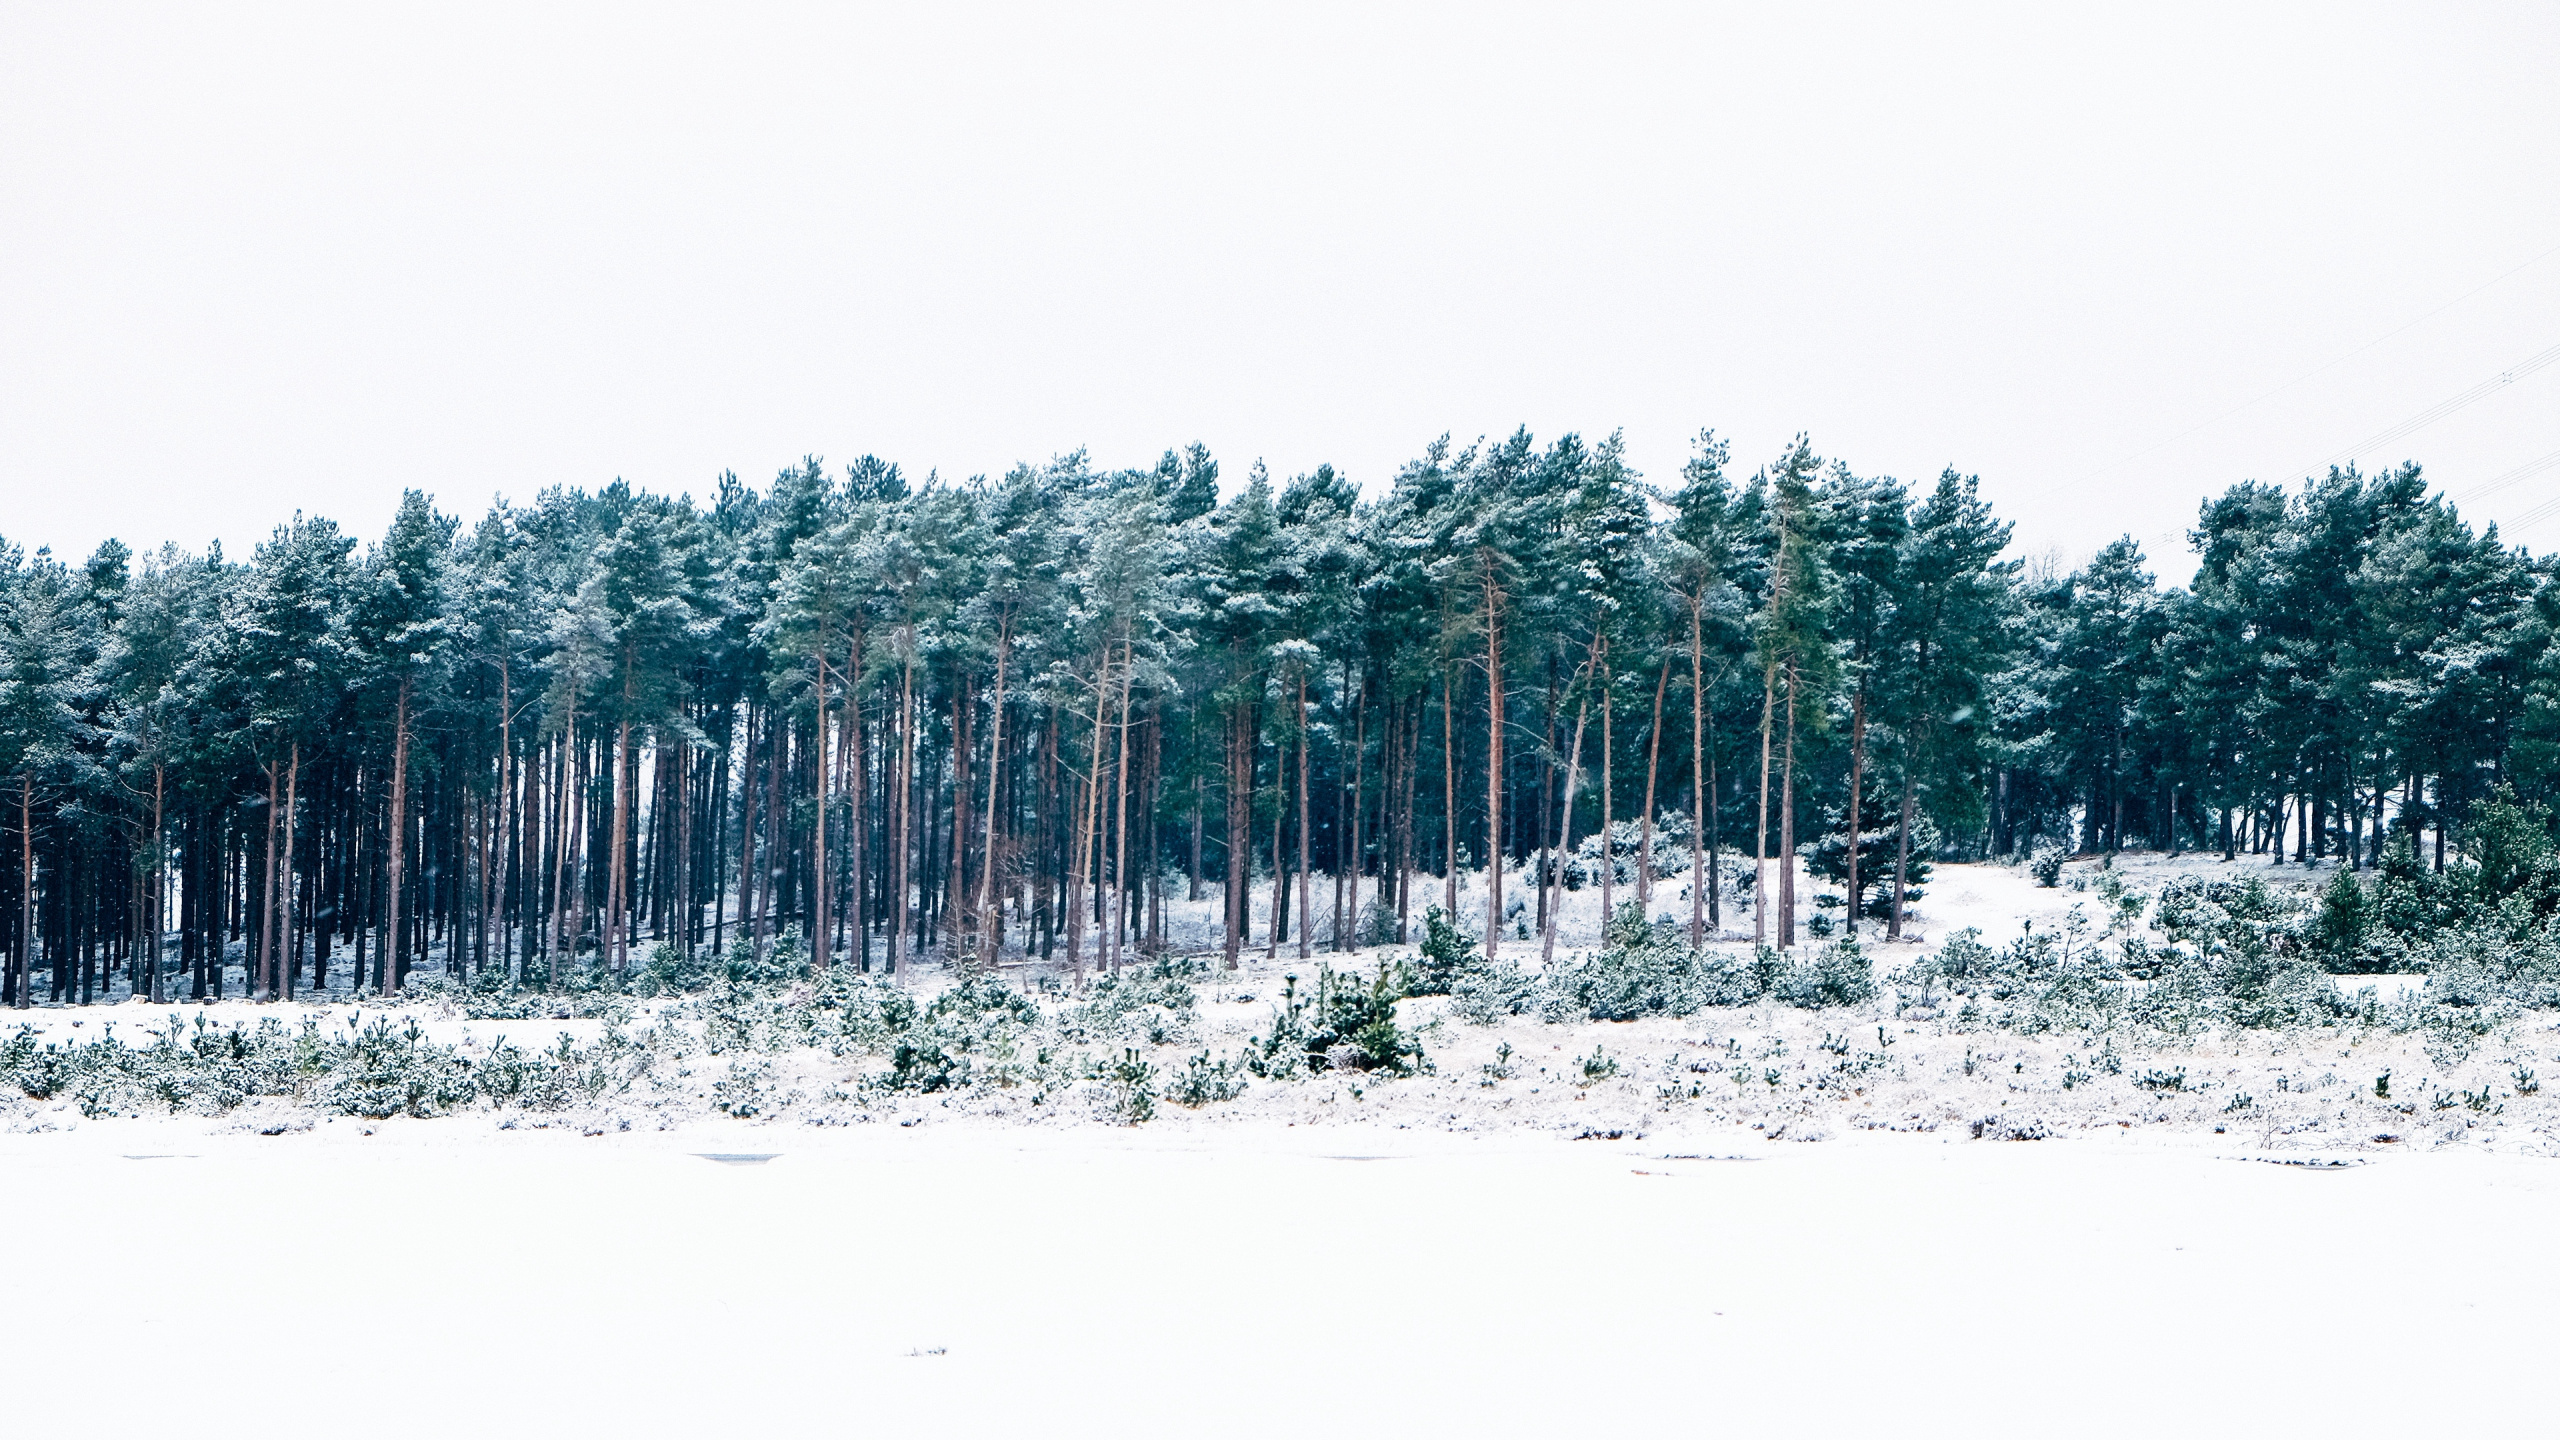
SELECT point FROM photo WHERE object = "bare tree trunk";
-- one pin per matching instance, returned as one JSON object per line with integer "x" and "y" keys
{"x": 1279, "y": 925}
{"x": 1760, "y": 852}
{"x": 561, "y": 787}
{"x": 1701, "y": 874}
{"x": 906, "y": 781}
{"x": 264, "y": 984}
{"x": 287, "y": 959}
{"x": 617, "y": 944}
{"x": 1239, "y": 832}
{"x": 1493, "y": 764}
{"x": 1857, "y": 773}
{"x": 1572, "y": 780}
{"x": 27, "y": 896}
{"x": 1608, "y": 832}
{"x": 821, "y": 940}
{"x": 1120, "y": 814}
{"x": 1652, "y": 773}
{"x": 859, "y": 776}
{"x": 389, "y": 958}
{"x": 1306, "y": 823}
{"x": 1351, "y": 863}
{"x": 1901, "y": 862}
{"x": 1087, "y": 826}
{"x": 159, "y": 880}
{"x": 1787, "y": 825}
{"x": 987, "y": 932}
{"x": 958, "y": 942}
{"x": 1449, "y": 795}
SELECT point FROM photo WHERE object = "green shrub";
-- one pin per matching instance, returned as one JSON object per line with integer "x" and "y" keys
{"x": 1204, "y": 1081}
{"x": 1448, "y": 956}
{"x": 1348, "y": 1026}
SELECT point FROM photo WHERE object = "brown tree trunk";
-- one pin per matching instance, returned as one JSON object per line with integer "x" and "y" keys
{"x": 264, "y": 973}
{"x": 1652, "y": 773}
{"x": 1760, "y": 851}
{"x": 1572, "y": 780}
{"x": 288, "y": 957}
{"x": 987, "y": 931}
{"x": 1608, "y": 832}
{"x": 1493, "y": 764}
{"x": 389, "y": 958}
{"x": 1787, "y": 825}
{"x": 1857, "y": 773}
{"x": 1306, "y": 898}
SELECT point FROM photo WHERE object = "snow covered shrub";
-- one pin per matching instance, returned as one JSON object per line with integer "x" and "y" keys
{"x": 1641, "y": 969}
{"x": 2046, "y": 866}
{"x": 972, "y": 1034}
{"x": 1203, "y": 1081}
{"x": 1491, "y": 993}
{"x": 858, "y": 1013}
{"x": 740, "y": 1093}
{"x": 380, "y": 1073}
{"x": 1838, "y": 975}
{"x": 1348, "y": 1026}
{"x": 1448, "y": 955}
{"x": 1154, "y": 1003}
{"x": 1879, "y": 845}
{"x": 1132, "y": 1089}
{"x": 670, "y": 971}
{"x": 1376, "y": 925}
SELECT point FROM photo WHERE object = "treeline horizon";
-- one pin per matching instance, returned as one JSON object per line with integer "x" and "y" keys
{"x": 992, "y": 721}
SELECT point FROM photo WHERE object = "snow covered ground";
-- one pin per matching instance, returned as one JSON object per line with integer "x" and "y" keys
{"x": 439, "y": 1279}
{"x": 1562, "y": 1228}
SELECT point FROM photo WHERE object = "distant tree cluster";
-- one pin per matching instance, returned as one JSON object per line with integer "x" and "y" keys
{"x": 1002, "y": 719}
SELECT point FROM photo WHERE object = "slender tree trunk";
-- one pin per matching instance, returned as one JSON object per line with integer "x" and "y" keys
{"x": 289, "y": 958}
{"x": 1278, "y": 929}
{"x": 1088, "y": 824}
{"x": 265, "y": 970}
{"x": 1343, "y": 937}
{"x": 1787, "y": 825}
{"x": 1449, "y": 795}
{"x": 1239, "y": 831}
{"x": 747, "y": 824}
{"x": 1306, "y": 824}
{"x": 1901, "y": 862}
{"x": 1572, "y": 781}
{"x": 906, "y": 782}
{"x": 1493, "y": 765}
{"x": 1652, "y": 773}
{"x": 1120, "y": 813}
{"x": 1608, "y": 816}
{"x": 27, "y": 894}
{"x": 616, "y": 898}
{"x": 820, "y": 938}
{"x": 1701, "y": 875}
{"x": 1857, "y": 773}
{"x": 860, "y": 803}
{"x": 391, "y": 951}
{"x": 159, "y": 881}
{"x": 987, "y": 931}
{"x": 1760, "y": 851}
{"x": 957, "y": 942}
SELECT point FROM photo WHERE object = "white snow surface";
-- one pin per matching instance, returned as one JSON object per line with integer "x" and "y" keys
{"x": 1536, "y": 1252}
{"x": 441, "y": 1279}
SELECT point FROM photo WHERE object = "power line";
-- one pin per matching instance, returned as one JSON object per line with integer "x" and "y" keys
{"x": 2315, "y": 374}
{"x": 2436, "y": 412}
{"x": 2525, "y": 471}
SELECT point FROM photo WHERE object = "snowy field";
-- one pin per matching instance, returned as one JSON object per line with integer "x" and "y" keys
{"x": 1560, "y": 1228}
{"x": 424, "y": 1281}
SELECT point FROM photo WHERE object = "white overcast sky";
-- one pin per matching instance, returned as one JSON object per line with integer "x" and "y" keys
{"x": 256, "y": 259}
